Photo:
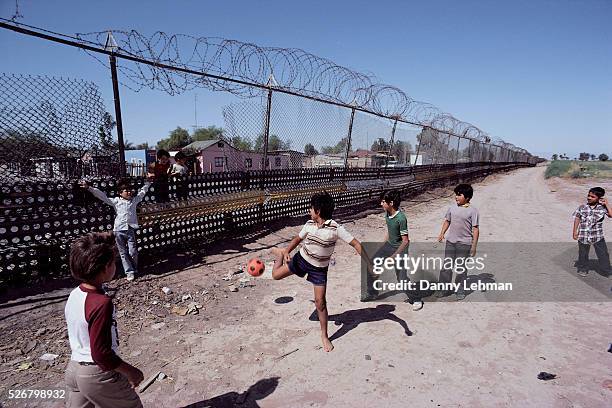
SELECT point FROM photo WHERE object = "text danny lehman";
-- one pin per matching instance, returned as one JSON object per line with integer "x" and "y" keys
{"x": 407, "y": 285}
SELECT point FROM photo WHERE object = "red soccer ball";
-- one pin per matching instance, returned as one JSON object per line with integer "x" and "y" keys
{"x": 255, "y": 267}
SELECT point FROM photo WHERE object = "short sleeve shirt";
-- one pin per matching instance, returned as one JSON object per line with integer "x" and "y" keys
{"x": 591, "y": 219}
{"x": 462, "y": 220}
{"x": 397, "y": 225}
{"x": 319, "y": 242}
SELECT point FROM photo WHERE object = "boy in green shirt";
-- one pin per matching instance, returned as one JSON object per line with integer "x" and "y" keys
{"x": 396, "y": 241}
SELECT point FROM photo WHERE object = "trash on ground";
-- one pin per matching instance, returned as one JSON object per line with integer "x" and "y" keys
{"x": 180, "y": 310}
{"x": 49, "y": 357}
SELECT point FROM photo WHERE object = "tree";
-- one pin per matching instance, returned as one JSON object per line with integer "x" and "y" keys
{"x": 209, "y": 133}
{"x": 401, "y": 150}
{"x": 274, "y": 143}
{"x": 603, "y": 157}
{"x": 177, "y": 138}
{"x": 593, "y": 157}
{"x": 340, "y": 147}
{"x": 241, "y": 143}
{"x": 380, "y": 145}
{"x": 555, "y": 156}
{"x": 105, "y": 132}
{"x": 310, "y": 150}
{"x": 584, "y": 156}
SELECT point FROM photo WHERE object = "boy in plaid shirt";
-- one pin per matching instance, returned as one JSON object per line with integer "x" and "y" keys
{"x": 588, "y": 230}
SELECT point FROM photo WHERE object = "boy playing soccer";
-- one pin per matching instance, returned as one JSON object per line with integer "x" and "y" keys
{"x": 319, "y": 235}
{"x": 461, "y": 222}
{"x": 396, "y": 240}
{"x": 95, "y": 375}
{"x": 588, "y": 230}
{"x": 126, "y": 221}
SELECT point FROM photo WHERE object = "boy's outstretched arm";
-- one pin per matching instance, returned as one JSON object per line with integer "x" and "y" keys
{"x": 98, "y": 194}
{"x": 445, "y": 226}
{"x": 143, "y": 191}
{"x": 357, "y": 245}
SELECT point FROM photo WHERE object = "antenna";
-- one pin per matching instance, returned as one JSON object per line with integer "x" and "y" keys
{"x": 195, "y": 112}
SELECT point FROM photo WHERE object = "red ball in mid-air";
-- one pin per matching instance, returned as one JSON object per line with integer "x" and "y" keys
{"x": 255, "y": 267}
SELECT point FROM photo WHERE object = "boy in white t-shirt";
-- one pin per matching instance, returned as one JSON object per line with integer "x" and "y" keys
{"x": 319, "y": 235}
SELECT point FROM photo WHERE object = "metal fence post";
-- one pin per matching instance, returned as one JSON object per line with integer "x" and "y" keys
{"x": 266, "y": 137}
{"x": 113, "y": 66}
{"x": 390, "y": 148}
{"x": 457, "y": 154}
{"x": 348, "y": 143}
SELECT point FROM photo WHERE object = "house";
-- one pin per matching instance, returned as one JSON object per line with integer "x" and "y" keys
{"x": 218, "y": 155}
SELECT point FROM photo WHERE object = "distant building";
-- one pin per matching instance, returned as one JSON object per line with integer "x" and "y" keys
{"x": 216, "y": 155}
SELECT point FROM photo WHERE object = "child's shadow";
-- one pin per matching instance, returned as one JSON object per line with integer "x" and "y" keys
{"x": 247, "y": 399}
{"x": 352, "y": 318}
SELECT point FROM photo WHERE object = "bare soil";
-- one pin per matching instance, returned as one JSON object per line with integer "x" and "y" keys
{"x": 258, "y": 346}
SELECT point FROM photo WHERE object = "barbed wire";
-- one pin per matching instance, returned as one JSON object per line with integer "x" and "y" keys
{"x": 292, "y": 69}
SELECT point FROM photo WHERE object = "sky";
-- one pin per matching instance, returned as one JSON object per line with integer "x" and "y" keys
{"x": 534, "y": 73}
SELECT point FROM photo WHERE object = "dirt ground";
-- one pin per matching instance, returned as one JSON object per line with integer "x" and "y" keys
{"x": 257, "y": 347}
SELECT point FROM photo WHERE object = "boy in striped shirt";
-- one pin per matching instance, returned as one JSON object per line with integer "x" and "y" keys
{"x": 319, "y": 234}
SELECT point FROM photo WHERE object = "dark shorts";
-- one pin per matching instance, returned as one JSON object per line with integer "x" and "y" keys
{"x": 301, "y": 267}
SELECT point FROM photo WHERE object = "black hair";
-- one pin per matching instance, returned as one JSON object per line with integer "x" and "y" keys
{"x": 392, "y": 195}
{"x": 180, "y": 156}
{"x": 161, "y": 153}
{"x": 466, "y": 190}
{"x": 598, "y": 191}
{"x": 123, "y": 184}
{"x": 90, "y": 254}
{"x": 323, "y": 203}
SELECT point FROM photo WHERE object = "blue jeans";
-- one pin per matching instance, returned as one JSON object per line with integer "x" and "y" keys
{"x": 126, "y": 245}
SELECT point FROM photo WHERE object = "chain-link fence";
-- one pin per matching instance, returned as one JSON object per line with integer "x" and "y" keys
{"x": 53, "y": 128}
{"x": 278, "y": 147}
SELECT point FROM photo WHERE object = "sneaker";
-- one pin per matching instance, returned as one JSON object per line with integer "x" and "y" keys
{"x": 417, "y": 305}
{"x": 460, "y": 295}
{"x": 583, "y": 273}
{"x": 129, "y": 276}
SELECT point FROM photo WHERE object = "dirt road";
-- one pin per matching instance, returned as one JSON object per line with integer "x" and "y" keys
{"x": 258, "y": 346}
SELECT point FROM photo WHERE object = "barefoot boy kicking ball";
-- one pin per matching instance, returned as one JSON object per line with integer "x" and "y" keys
{"x": 588, "y": 230}
{"x": 95, "y": 375}
{"x": 319, "y": 235}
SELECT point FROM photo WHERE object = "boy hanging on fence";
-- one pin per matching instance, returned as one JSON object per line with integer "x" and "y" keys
{"x": 126, "y": 221}
{"x": 178, "y": 171}
{"x": 160, "y": 171}
{"x": 588, "y": 230}
{"x": 96, "y": 375}
{"x": 319, "y": 235}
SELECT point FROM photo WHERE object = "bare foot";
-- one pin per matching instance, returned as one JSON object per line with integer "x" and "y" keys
{"x": 327, "y": 344}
